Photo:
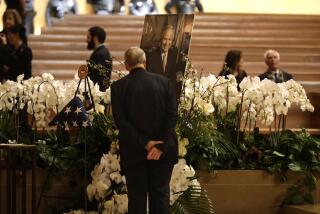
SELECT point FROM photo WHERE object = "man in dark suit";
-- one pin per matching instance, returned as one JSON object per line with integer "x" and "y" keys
{"x": 145, "y": 111}
{"x": 100, "y": 62}
{"x": 274, "y": 73}
{"x": 162, "y": 59}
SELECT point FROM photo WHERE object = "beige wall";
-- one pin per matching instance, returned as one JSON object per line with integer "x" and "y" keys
{"x": 213, "y": 6}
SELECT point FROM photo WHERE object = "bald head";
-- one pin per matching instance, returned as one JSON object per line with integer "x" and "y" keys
{"x": 134, "y": 57}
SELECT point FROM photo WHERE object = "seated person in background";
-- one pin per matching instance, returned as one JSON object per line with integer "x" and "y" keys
{"x": 184, "y": 6}
{"x": 233, "y": 65}
{"x": 21, "y": 55}
{"x": 142, "y": 7}
{"x": 96, "y": 37}
{"x": 274, "y": 73}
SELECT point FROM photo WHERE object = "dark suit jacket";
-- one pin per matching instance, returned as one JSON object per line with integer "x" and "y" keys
{"x": 144, "y": 108}
{"x": 154, "y": 63}
{"x": 282, "y": 76}
{"x": 19, "y": 62}
{"x": 101, "y": 56}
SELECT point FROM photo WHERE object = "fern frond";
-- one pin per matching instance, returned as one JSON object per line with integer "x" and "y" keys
{"x": 193, "y": 200}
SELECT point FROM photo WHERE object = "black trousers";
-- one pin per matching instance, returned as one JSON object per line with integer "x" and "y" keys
{"x": 150, "y": 179}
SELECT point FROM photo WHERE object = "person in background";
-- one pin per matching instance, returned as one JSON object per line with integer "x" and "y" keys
{"x": 21, "y": 55}
{"x": 105, "y": 7}
{"x": 96, "y": 37}
{"x": 184, "y": 6}
{"x": 56, "y": 9}
{"x": 17, "y": 5}
{"x": 10, "y": 18}
{"x": 142, "y": 7}
{"x": 25, "y": 8}
{"x": 274, "y": 73}
{"x": 233, "y": 63}
{"x": 29, "y": 15}
{"x": 20, "y": 62}
{"x": 145, "y": 111}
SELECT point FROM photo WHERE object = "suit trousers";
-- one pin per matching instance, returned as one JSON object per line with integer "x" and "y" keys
{"x": 149, "y": 179}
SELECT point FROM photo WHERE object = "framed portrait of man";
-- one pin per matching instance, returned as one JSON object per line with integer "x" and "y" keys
{"x": 166, "y": 41}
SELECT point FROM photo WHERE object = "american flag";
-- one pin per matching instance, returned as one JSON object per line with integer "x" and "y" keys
{"x": 73, "y": 114}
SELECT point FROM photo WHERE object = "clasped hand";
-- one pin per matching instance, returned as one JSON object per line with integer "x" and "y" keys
{"x": 153, "y": 152}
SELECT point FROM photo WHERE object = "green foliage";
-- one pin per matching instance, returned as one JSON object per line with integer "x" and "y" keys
{"x": 215, "y": 142}
{"x": 7, "y": 130}
{"x": 68, "y": 147}
{"x": 57, "y": 151}
{"x": 210, "y": 148}
{"x": 14, "y": 126}
{"x": 298, "y": 152}
{"x": 301, "y": 193}
{"x": 193, "y": 200}
{"x": 64, "y": 152}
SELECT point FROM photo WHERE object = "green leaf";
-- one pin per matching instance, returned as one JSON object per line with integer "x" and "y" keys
{"x": 278, "y": 154}
{"x": 243, "y": 147}
{"x": 193, "y": 200}
{"x": 295, "y": 167}
{"x": 296, "y": 199}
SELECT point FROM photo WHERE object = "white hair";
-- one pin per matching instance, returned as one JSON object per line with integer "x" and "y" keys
{"x": 134, "y": 56}
{"x": 167, "y": 28}
{"x": 271, "y": 51}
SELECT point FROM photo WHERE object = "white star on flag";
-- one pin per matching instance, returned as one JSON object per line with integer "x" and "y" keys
{"x": 66, "y": 125}
{"x": 85, "y": 124}
{"x": 74, "y": 114}
{"x": 78, "y": 110}
{"x": 74, "y": 123}
{"x": 68, "y": 110}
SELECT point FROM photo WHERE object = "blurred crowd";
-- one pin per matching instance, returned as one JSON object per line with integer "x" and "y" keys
{"x": 16, "y": 56}
{"x": 56, "y": 9}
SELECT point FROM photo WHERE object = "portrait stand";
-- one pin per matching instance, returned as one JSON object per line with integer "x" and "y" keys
{"x": 63, "y": 119}
{"x": 88, "y": 104}
{"x": 83, "y": 74}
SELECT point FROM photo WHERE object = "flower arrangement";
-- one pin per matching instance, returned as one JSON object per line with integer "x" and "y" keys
{"x": 256, "y": 100}
{"x": 108, "y": 186}
{"x": 44, "y": 96}
{"x": 218, "y": 128}
{"x": 221, "y": 121}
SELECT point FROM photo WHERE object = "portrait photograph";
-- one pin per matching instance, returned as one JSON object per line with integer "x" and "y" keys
{"x": 166, "y": 41}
